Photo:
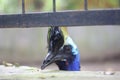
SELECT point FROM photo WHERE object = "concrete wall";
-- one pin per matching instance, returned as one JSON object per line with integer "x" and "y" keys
{"x": 29, "y": 44}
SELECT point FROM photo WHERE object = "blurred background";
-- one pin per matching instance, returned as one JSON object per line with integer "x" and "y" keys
{"x": 99, "y": 45}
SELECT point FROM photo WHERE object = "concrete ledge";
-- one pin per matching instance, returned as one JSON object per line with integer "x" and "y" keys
{"x": 32, "y": 73}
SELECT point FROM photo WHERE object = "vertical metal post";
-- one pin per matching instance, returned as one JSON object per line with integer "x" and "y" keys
{"x": 23, "y": 6}
{"x": 54, "y": 5}
{"x": 119, "y": 3}
{"x": 86, "y": 4}
{"x": 54, "y": 9}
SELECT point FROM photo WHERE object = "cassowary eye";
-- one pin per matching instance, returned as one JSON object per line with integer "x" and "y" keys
{"x": 67, "y": 48}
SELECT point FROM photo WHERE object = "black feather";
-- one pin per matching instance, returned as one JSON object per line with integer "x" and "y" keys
{"x": 55, "y": 39}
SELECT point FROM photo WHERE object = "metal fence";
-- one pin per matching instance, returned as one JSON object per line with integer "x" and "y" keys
{"x": 68, "y": 18}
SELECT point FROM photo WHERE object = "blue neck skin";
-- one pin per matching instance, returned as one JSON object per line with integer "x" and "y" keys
{"x": 71, "y": 64}
{"x": 68, "y": 65}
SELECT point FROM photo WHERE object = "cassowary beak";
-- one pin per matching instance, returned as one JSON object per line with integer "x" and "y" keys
{"x": 51, "y": 58}
{"x": 48, "y": 60}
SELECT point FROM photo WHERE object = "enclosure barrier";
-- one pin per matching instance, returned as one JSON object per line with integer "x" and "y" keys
{"x": 68, "y": 18}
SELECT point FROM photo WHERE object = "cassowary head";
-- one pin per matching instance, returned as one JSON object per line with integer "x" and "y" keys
{"x": 59, "y": 53}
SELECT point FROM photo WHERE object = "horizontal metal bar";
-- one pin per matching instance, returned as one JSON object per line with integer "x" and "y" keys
{"x": 73, "y": 18}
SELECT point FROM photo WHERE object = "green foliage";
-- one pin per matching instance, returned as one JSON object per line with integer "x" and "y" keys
{"x": 74, "y": 4}
{"x": 9, "y": 6}
{"x": 103, "y": 4}
{"x": 48, "y": 5}
{"x": 14, "y": 6}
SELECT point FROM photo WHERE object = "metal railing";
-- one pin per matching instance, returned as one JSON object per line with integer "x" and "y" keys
{"x": 68, "y": 18}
